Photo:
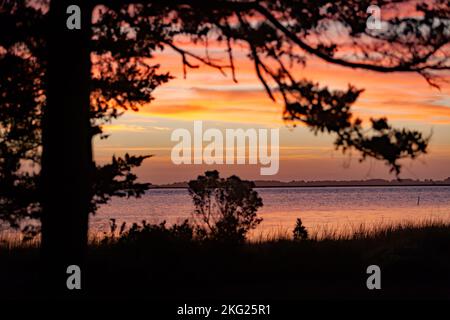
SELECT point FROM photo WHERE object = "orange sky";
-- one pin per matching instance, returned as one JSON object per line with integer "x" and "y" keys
{"x": 406, "y": 99}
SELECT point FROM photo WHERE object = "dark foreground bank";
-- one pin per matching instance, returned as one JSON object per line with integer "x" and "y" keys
{"x": 414, "y": 263}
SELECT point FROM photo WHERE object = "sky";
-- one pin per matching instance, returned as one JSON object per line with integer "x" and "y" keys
{"x": 404, "y": 98}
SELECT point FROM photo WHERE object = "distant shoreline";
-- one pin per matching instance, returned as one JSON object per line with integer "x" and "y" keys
{"x": 325, "y": 186}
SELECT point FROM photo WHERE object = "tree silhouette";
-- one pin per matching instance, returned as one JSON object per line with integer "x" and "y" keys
{"x": 300, "y": 232}
{"x": 59, "y": 86}
{"x": 224, "y": 208}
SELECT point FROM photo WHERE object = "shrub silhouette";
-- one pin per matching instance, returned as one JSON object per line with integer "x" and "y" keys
{"x": 225, "y": 209}
{"x": 146, "y": 233}
{"x": 300, "y": 232}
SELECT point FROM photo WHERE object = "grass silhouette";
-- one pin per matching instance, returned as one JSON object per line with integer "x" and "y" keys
{"x": 414, "y": 259}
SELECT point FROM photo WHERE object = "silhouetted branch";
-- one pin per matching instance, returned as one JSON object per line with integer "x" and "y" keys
{"x": 412, "y": 65}
{"x": 184, "y": 54}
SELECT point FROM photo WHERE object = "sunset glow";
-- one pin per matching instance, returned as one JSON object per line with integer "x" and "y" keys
{"x": 404, "y": 98}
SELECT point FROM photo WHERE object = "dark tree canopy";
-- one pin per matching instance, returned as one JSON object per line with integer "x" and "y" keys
{"x": 278, "y": 36}
{"x": 281, "y": 35}
{"x": 23, "y": 61}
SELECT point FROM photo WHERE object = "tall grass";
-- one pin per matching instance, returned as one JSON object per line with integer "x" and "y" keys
{"x": 11, "y": 241}
{"x": 352, "y": 231}
{"x": 364, "y": 231}
{"x": 322, "y": 233}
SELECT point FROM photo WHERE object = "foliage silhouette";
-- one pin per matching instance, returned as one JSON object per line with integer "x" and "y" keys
{"x": 300, "y": 232}
{"x": 270, "y": 269}
{"x": 225, "y": 209}
{"x": 108, "y": 70}
{"x": 149, "y": 234}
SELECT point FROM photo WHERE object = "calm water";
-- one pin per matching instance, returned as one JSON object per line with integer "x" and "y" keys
{"x": 331, "y": 207}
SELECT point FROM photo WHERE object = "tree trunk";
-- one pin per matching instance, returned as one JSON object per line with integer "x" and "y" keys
{"x": 67, "y": 149}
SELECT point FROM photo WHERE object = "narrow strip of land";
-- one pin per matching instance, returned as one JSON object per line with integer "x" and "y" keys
{"x": 331, "y": 183}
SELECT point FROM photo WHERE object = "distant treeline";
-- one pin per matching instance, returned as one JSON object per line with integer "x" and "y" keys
{"x": 325, "y": 183}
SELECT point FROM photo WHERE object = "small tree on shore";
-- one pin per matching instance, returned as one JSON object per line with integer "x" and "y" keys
{"x": 300, "y": 232}
{"x": 225, "y": 209}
